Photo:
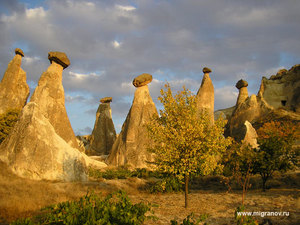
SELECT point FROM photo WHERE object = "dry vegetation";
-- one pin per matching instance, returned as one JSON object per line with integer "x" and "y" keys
{"x": 22, "y": 198}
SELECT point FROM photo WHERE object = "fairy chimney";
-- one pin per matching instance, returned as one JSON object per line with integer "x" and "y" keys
{"x": 205, "y": 95}
{"x": 50, "y": 97}
{"x": 41, "y": 145}
{"x": 14, "y": 89}
{"x": 243, "y": 92}
{"x": 130, "y": 147}
{"x": 104, "y": 134}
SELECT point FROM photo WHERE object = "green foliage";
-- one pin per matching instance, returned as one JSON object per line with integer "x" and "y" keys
{"x": 185, "y": 141}
{"x": 191, "y": 220}
{"x": 276, "y": 151}
{"x": 7, "y": 122}
{"x": 122, "y": 173}
{"x": 244, "y": 220}
{"x": 238, "y": 166}
{"x": 116, "y": 208}
{"x": 165, "y": 185}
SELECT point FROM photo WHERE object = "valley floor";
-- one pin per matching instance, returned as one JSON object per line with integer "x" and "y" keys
{"x": 21, "y": 198}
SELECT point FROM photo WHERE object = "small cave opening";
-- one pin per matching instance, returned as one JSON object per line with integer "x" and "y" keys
{"x": 283, "y": 102}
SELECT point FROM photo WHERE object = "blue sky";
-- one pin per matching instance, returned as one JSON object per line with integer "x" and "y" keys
{"x": 111, "y": 42}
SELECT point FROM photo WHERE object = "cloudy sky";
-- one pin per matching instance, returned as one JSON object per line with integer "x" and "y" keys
{"x": 110, "y": 42}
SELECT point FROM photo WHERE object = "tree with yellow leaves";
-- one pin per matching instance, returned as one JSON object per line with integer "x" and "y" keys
{"x": 185, "y": 142}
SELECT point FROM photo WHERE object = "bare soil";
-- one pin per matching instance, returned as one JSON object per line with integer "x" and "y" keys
{"x": 23, "y": 198}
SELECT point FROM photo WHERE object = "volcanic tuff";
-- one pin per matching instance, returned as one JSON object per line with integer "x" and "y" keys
{"x": 104, "y": 134}
{"x": 14, "y": 90}
{"x": 205, "y": 95}
{"x": 41, "y": 144}
{"x": 130, "y": 147}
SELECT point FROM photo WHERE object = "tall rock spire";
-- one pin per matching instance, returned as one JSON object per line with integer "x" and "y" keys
{"x": 104, "y": 134}
{"x": 130, "y": 148}
{"x": 243, "y": 91}
{"x": 14, "y": 90}
{"x": 205, "y": 95}
{"x": 50, "y": 96}
{"x": 41, "y": 144}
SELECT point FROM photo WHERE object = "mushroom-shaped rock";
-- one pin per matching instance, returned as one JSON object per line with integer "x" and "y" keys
{"x": 241, "y": 83}
{"x": 106, "y": 100}
{"x": 60, "y": 58}
{"x": 142, "y": 80}
{"x": 243, "y": 92}
{"x": 14, "y": 89}
{"x": 19, "y": 51}
{"x": 206, "y": 70}
{"x": 205, "y": 95}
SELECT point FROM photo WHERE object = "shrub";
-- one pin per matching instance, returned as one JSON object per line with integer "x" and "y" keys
{"x": 191, "y": 220}
{"x": 244, "y": 219}
{"x": 7, "y": 122}
{"x": 116, "y": 208}
{"x": 166, "y": 185}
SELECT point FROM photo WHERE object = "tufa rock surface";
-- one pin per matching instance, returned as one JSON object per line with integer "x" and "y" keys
{"x": 205, "y": 95}
{"x": 130, "y": 147}
{"x": 50, "y": 97}
{"x": 106, "y": 100}
{"x": 142, "y": 80}
{"x": 250, "y": 135}
{"x": 41, "y": 144}
{"x": 282, "y": 91}
{"x": 34, "y": 150}
{"x": 104, "y": 134}
{"x": 243, "y": 91}
{"x": 14, "y": 89}
{"x": 60, "y": 58}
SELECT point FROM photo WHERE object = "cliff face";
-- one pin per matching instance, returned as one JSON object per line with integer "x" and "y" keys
{"x": 277, "y": 99}
{"x": 283, "y": 89}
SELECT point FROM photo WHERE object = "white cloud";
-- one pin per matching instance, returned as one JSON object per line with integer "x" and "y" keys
{"x": 35, "y": 13}
{"x": 116, "y": 44}
{"x": 125, "y": 7}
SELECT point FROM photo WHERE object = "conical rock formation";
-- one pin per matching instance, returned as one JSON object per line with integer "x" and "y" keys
{"x": 104, "y": 133}
{"x": 50, "y": 97}
{"x": 130, "y": 147}
{"x": 35, "y": 148}
{"x": 205, "y": 95}
{"x": 14, "y": 90}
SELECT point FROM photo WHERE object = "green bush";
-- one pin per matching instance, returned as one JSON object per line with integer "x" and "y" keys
{"x": 191, "y": 220}
{"x": 7, "y": 122}
{"x": 165, "y": 185}
{"x": 116, "y": 208}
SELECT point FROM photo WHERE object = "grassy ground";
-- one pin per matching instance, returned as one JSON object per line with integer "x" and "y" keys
{"x": 21, "y": 198}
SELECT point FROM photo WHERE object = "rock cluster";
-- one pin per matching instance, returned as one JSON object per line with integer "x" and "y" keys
{"x": 104, "y": 134}
{"x": 205, "y": 95}
{"x": 42, "y": 144}
{"x": 130, "y": 147}
{"x": 14, "y": 89}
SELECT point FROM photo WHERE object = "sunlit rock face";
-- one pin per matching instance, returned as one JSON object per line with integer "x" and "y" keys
{"x": 14, "y": 89}
{"x": 205, "y": 95}
{"x": 49, "y": 95}
{"x": 282, "y": 91}
{"x": 41, "y": 145}
{"x": 104, "y": 133}
{"x": 130, "y": 147}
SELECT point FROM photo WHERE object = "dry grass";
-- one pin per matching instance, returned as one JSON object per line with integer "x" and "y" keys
{"x": 21, "y": 198}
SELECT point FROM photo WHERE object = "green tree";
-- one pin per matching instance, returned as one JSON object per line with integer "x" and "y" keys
{"x": 7, "y": 122}
{"x": 185, "y": 142}
{"x": 276, "y": 152}
{"x": 238, "y": 166}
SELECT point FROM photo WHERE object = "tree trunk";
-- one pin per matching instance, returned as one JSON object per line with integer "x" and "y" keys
{"x": 186, "y": 182}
